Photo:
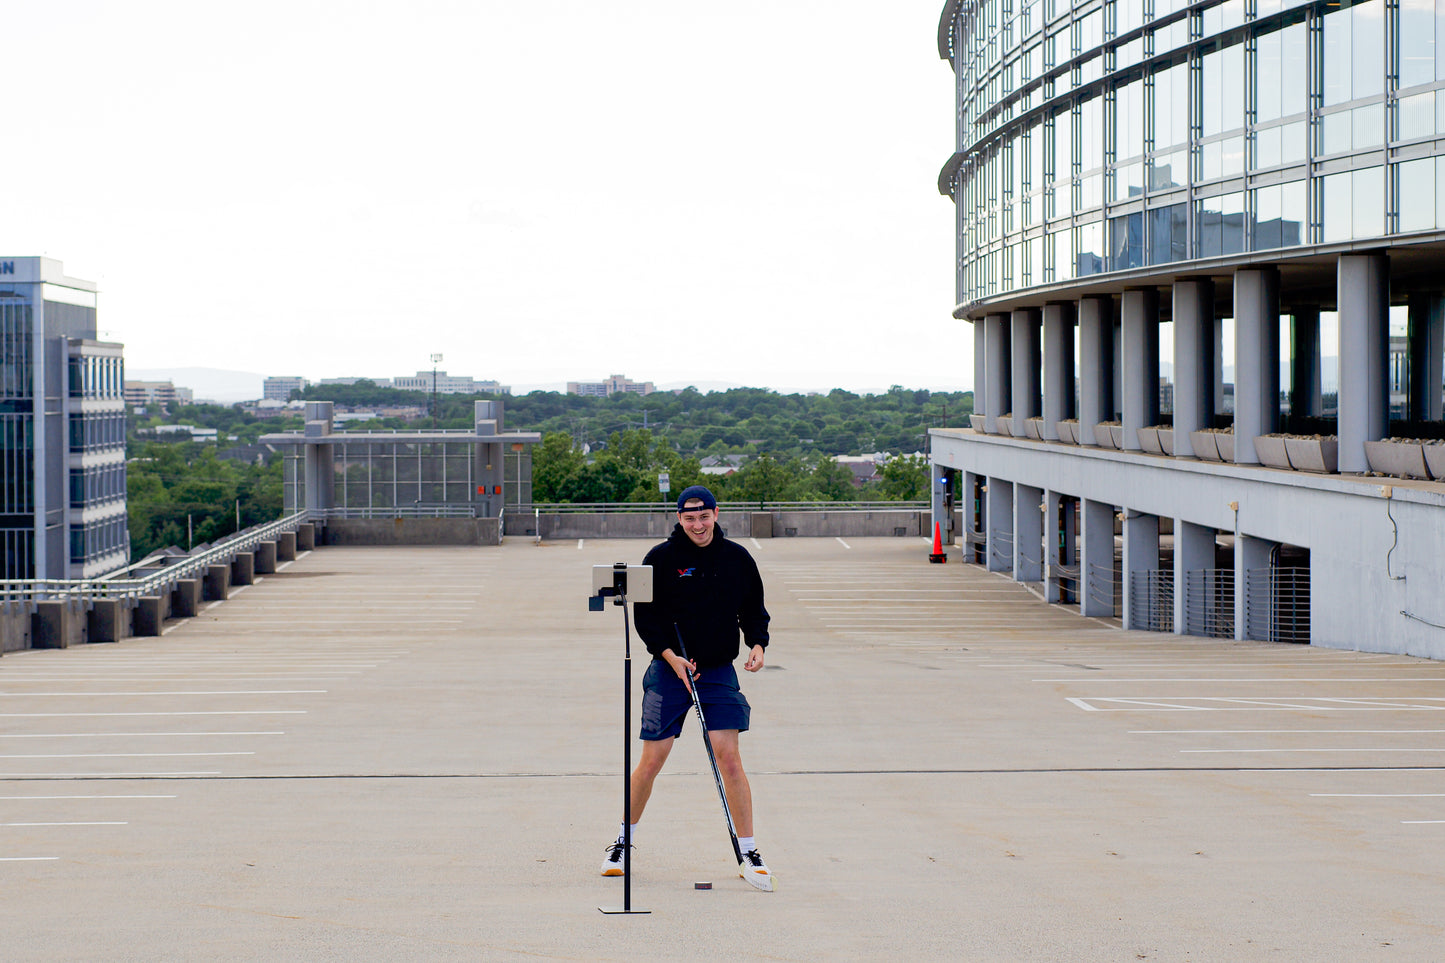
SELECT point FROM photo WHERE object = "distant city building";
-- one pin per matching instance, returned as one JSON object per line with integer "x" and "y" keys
{"x": 379, "y": 382}
{"x": 445, "y": 384}
{"x": 62, "y": 428}
{"x": 615, "y": 384}
{"x": 185, "y": 396}
{"x": 139, "y": 394}
{"x": 279, "y": 388}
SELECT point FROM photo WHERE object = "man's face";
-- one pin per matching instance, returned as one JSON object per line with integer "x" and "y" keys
{"x": 697, "y": 521}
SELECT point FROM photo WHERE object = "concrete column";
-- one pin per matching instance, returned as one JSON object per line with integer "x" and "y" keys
{"x": 996, "y": 361}
{"x": 1028, "y": 534}
{"x": 265, "y": 561}
{"x": 1096, "y": 561}
{"x": 1058, "y": 387}
{"x": 1139, "y": 315}
{"x": 150, "y": 614}
{"x": 216, "y": 583}
{"x": 1027, "y": 360}
{"x": 1218, "y": 367}
{"x": 305, "y": 537}
{"x": 1305, "y": 393}
{"x": 186, "y": 598}
{"x": 286, "y": 547}
{"x": 1427, "y": 332}
{"x": 1096, "y": 365}
{"x": 1059, "y": 544}
{"x": 1364, "y": 300}
{"x": 243, "y": 568}
{"x": 107, "y": 621}
{"x": 1249, "y": 553}
{"x": 1193, "y": 551}
{"x": 1193, "y": 360}
{"x": 1256, "y": 359}
{"x": 980, "y": 367}
{"x": 999, "y": 550}
{"x": 1141, "y": 554}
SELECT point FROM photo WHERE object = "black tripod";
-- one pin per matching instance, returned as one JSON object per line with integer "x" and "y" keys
{"x": 618, "y": 592}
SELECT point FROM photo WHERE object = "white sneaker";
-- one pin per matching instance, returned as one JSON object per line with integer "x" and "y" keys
{"x": 612, "y": 863}
{"x": 755, "y": 871}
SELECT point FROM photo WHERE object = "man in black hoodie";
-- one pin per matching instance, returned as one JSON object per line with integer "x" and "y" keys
{"x": 706, "y": 588}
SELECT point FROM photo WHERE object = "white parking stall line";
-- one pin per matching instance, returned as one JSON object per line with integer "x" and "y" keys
{"x": 1276, "y": 732}
{"x": 579, "y": 544}
{"x": 204, "y": 712}
{"x": 1258, "y": 704}
{"x": 843, "y": 543}
{"x": 1380, "y": 795}
{"x": 180, "y": 693}
{"x": 112, "y": 735}
{"x": 1421, "y": 822}
{"x": 111, "y": 796}
{"x": 116, "y": 755}
{"x": 28, "y": 859}
{"x": 1388, "y": 749}
{"x": 109, "y": 775}
{"x": 67, "y": 824}
{"x": 755, "y": 543}
{"x": 1211, "y": 680}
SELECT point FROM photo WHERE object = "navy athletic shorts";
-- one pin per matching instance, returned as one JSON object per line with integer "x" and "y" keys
{"x": 666, "y": 702}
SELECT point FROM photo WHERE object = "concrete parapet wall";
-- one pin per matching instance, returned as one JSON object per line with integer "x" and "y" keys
{"x": 902, "y": 523}
{"x": 216, "y": 584}
{"x": 57, "y": 625}
{"x": 243, "y": 568}
{"x": 760, "y": 525}
{"x": 654, "y": 525}
{"x": 149, "y": 614}
{"x": 14, "y": 626}
{"x": 186, "y": 597}
{"x": 412, "y": 531}
{"x": 107, "y": 621}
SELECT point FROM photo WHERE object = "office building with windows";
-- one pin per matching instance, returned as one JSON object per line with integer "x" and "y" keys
{"x": 1246, "y": 195}
{"x": 62, "y": 428}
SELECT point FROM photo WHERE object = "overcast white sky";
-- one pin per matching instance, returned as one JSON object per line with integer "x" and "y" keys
{"x": 540, "y": 191}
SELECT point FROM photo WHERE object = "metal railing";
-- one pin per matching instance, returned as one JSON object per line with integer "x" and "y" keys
{"x": 174, "y": 568}
{"x": 1151, "y": 600}
{"x": 1277, "y": 604}
{"x": 1209, "y": 603}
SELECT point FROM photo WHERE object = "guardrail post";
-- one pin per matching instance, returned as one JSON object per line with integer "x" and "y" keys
{"x": 186, "y": 598}
{"x": 107, "y": 621}
{"x": 265, "y": 558}
{"x": 50, "y": 625}
{"x": 286, "y": 546}
{"x": 150, "y": 614}
{"x": 306, "y": 537}
{"x": 243, "y": 568}
{"x": 216, "y": 584}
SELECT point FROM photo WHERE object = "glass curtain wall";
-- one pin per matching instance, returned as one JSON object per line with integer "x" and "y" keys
{"x": 1120, "y": 134}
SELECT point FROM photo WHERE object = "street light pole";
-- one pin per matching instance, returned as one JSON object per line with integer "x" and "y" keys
{"x": 434, "y": 359}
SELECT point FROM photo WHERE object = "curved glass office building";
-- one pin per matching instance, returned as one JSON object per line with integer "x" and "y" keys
{"x": 1185, "y": 233}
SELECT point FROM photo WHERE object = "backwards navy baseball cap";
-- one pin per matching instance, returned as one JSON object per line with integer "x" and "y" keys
{"x": 698, "y": 493}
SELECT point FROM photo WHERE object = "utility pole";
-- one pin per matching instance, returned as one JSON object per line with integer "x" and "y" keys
{"x": 434, "y": 359}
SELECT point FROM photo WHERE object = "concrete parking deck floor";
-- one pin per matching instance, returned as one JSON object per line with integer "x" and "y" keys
{"x": 415, "y": 754}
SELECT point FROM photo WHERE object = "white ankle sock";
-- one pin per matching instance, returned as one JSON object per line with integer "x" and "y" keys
{"x": 622, "y": 829}
{"x": 746, "y": 844}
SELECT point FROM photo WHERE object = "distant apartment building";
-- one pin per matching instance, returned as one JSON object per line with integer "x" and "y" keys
{"x": 139, "y": 394}
{"x": 445, "y": 384}
{"x": 62, "y": 428}
{"x": 279, "y": 387}
{"x": 350, "y": 380}
{"x": 614, "y": 384}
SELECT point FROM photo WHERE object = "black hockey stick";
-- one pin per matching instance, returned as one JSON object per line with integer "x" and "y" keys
{"x": 707, "y": 741}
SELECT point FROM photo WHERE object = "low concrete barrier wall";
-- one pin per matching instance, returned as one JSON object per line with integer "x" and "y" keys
{"x": 186, "y": 598}
{"x": 306, "y": 538}
{"x": 149, "y": 614}
{"x": 216, "y": 584}
{"x": 14, "y": 626}
{"x": 107, "y": 621}
{"x": 411, "y": 531}
{"x": 654, "y": 525}
{"x": 243, "y": 568}
{"x": 286, "y": 547}
{"x": 57, "y": 625}
{"x": 265, "y": 560}
{"x": 881, "y": 524}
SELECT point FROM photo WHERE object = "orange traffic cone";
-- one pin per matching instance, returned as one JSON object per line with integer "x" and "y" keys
{"x": 937, "y": 555}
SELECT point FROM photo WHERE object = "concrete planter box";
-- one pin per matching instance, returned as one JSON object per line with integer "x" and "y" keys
{"x": 1224, "y": 441}
{"x": 1166, "y": 440}
{"x": 1313, "y": 454}
{"x": 1271, "y": 452}
{"x": 1103, "y": 437}
{"x": 1034, "y": 428}
{"x": 1116, "y": 433}
{"x": 1149, "y": 440}
{"x": 977, "y": 422}
{"x": 1403, "y": 459}
{"x": 1204, "y": 445}
{"x": 1069, "y": 432}
{"x": 1005, "y": 424}
{"x": 1435, "y": 460}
